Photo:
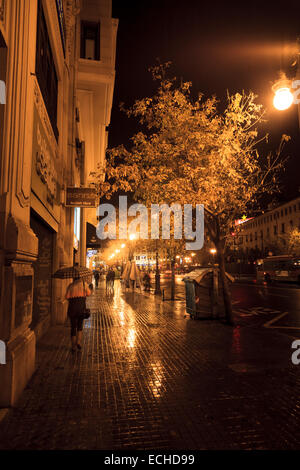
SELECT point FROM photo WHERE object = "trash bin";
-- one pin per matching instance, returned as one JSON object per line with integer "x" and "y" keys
{"x": 204, "y": 295}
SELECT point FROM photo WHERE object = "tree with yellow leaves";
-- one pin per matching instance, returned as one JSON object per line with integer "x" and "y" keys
{"x": 189, "y": 153}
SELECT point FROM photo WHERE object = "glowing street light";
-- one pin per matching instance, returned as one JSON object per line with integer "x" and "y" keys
{"x": 213, "y": 251}
{"x": 283, "y": 97}
{"x": 132, "y": 237}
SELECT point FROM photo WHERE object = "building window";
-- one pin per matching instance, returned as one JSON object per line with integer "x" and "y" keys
{"x": 45, "y": 69}
{"x": 247, "y": 238}
{"x": 282, "y": 228}
{"x": 285, "y": 211}
{"x": 90, "y": 40}
{"x": 275, "y": 229}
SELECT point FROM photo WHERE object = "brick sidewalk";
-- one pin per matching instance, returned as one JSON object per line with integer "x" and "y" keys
{"x": 150, "y": 378}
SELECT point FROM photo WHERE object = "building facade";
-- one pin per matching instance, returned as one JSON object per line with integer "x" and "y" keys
{"x": 263, "y": 234}
{"x": 41, "y": 154}
{"x": 96, "y": 35}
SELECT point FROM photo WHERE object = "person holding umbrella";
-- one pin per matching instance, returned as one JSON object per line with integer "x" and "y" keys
{"x": 76, "y": 294}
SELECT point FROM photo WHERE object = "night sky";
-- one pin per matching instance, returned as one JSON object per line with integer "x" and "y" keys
{"x": 218, "y": 46}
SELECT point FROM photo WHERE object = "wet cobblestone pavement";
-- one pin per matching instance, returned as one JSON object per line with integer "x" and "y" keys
{"x": 150, "y": 378}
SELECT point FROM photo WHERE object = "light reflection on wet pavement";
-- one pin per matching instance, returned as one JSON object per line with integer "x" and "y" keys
{"x": 149, "y": 377}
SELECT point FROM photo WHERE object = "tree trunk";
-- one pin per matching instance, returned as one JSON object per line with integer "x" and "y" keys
{"x": 173, "y": 279}
{"x": 224, "y": 284}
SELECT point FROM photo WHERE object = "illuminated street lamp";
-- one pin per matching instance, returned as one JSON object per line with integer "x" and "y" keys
{"x": 130, "y": 253}
{"x": 283, "y": 97}
{"x": 118, "y": 251}
{"x": 213, "y": 251}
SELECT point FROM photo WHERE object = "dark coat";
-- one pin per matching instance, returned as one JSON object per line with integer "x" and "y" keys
{"x": 76, "y": 306}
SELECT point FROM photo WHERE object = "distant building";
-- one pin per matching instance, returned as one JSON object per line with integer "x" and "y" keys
{"x": 96, "y": 37}
{"x": 261, "y": 234}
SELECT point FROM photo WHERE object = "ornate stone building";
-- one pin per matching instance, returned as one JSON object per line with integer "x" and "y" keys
{"x": 53, "y": 55}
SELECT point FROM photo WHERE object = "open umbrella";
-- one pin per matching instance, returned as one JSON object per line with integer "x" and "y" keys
{"x": 74, "y": 272}
{"x": 135, "y": 274}
{"x": 126, "y": 274}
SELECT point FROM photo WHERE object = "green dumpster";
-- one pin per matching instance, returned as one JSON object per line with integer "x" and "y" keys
{"x": 203, "y": 293}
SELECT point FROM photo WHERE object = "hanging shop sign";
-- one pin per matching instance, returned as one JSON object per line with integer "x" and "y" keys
{"x": 242, "y": 220}
{"x": 81, "y": 197}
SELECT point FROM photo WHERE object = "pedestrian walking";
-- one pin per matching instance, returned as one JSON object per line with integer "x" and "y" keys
{"x": 146, "y": 281}
{"x": 113, "y": 276}
{"x": 110, "y": 279}
{"x": 96, "y": 276}
{"x": 76, "y": 294}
